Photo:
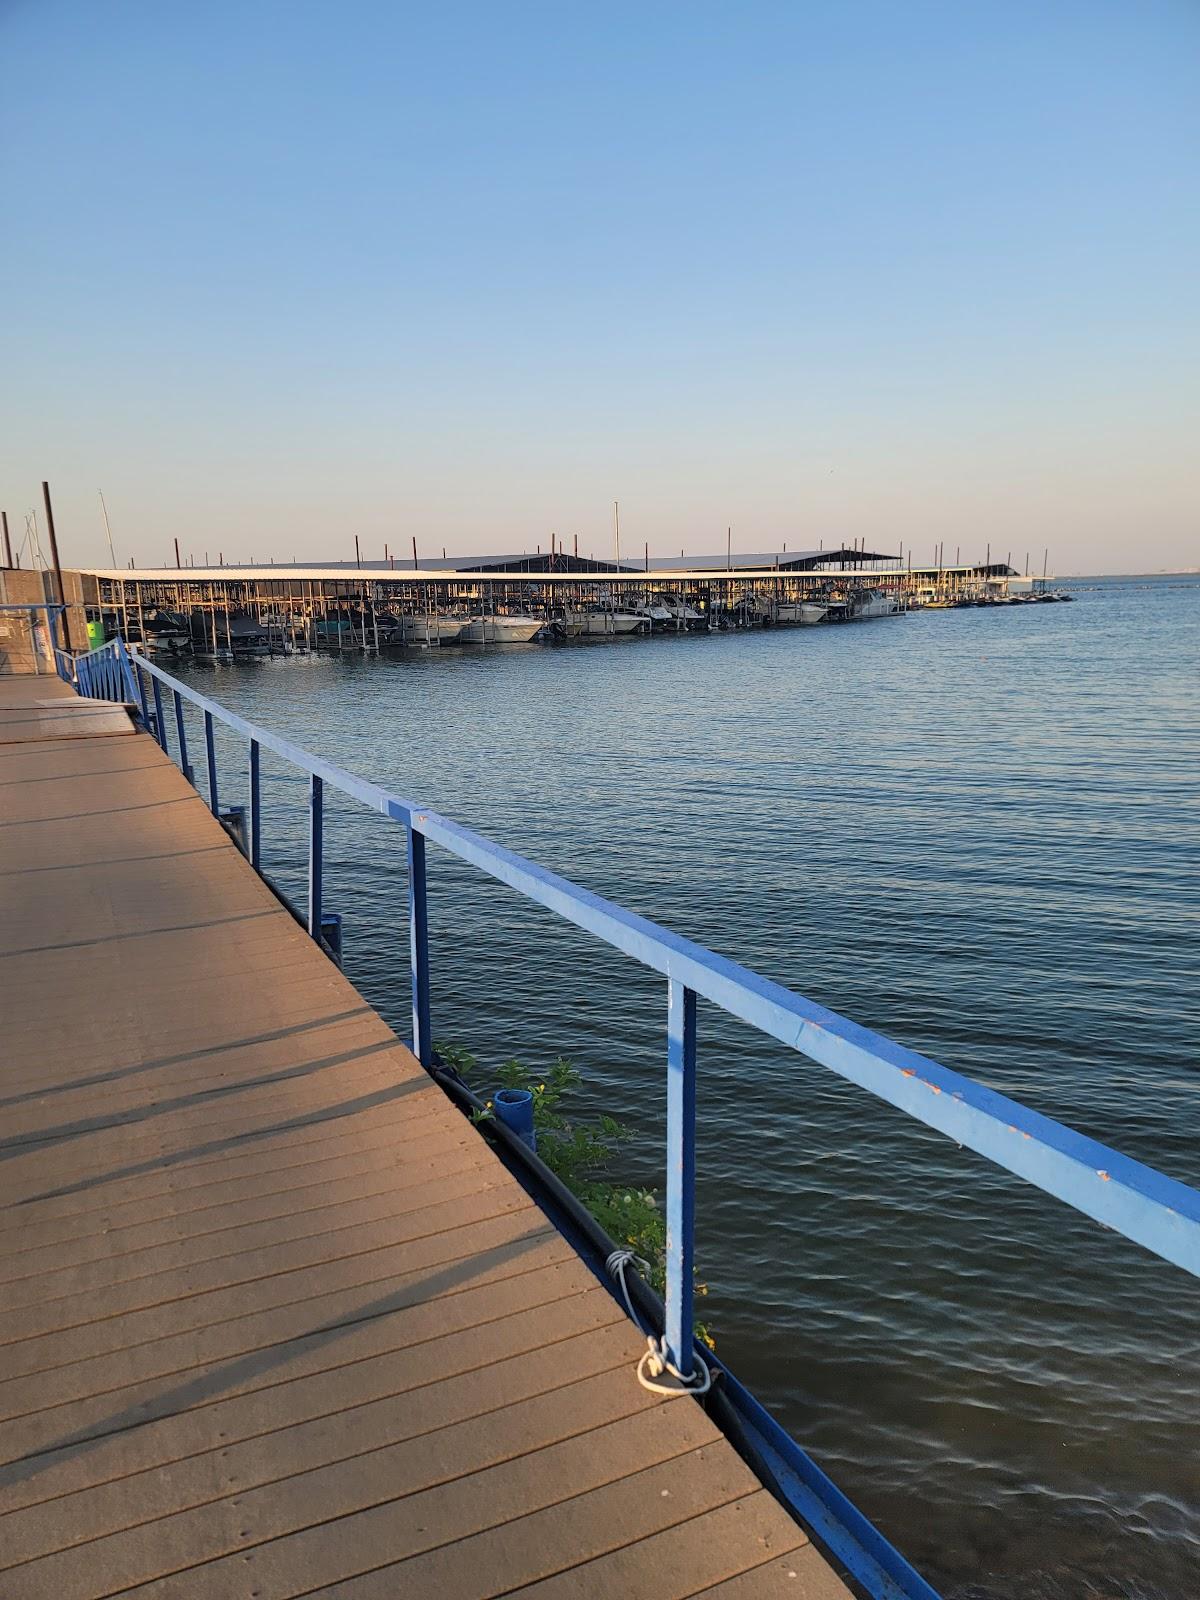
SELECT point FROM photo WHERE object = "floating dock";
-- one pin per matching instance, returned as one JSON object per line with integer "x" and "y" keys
{"x": 278, "y": 1322}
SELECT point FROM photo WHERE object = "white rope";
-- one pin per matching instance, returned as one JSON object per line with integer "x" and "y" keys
{"x": 654, "y": 1363}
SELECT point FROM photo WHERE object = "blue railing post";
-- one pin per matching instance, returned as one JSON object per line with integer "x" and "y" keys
{"x": 124, "y": 667}
{"x": 681, "y": 1175}
{"x": 181, "y": 734}
{"x": 316, "y": 853}
{"x": 210, "y": 751}
{"x": 160, "y": 727}
{"x": 418, "y": 943}
{"x": 141, "y": 688}
{"x": 255, "y": 808}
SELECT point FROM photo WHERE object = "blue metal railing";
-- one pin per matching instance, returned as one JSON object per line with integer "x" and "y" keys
{"x": 1153, "y": 1210}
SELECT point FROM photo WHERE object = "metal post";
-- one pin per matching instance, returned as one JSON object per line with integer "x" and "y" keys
{"x": 8, "y": 560}
{"x": 418, "y": 939}
{"x": 58, "y": 577}
{"x": 255, "y": 808}
{"x": 233, "y": 819}
{"x": 331, "y": 936}
{"x": 181, "y": 734}
{"x": 160, "y": 727}
{"x": 210, "y": 750}
{"x": 316, "y": 845}
{"x": 124, "y": 671}
{"x": 141, "y": 689}
{"x": 681, "y": 1174}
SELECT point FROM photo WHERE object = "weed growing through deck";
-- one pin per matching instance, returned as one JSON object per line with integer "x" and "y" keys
{"x": 579, "y": 1154}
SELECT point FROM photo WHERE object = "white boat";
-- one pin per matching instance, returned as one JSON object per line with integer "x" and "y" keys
{"x": 873, "y": 603}
{"x": 433, "y": 628}
{"x": 805, "y": 613}
{"x": 653, "y": 611}
{"x": 605, "y": 622}
{"x": 501, "y": 629}
{"x": 681, "y": 614}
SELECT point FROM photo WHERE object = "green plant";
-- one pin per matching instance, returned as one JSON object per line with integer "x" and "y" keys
{"x": 579, "y": 1154}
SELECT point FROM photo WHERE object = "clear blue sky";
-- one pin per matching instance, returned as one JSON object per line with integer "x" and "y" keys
{"x": 274, "y": 274}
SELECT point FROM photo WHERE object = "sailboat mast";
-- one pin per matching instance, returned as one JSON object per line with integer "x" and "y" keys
{"x": 112, "y": 555}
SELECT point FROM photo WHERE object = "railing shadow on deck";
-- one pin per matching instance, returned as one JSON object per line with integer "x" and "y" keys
{"x": 1135, "y": 1200}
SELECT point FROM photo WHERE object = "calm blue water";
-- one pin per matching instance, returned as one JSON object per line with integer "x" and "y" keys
{"x": 975, "y": 831}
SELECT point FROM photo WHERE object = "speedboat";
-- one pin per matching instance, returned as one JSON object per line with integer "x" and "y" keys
{"x": 247, "y": 637}
{"x": 681, "y": 614}
{"x": 424, "y": 629}
{"x": 166, "y": 633}
{"x": 811, "y": 612}
{"x": 501, "y": 629}
{"x": 654, "y": 612}
{"x": 873, "y": 603}
{"x": 605, "y": 621}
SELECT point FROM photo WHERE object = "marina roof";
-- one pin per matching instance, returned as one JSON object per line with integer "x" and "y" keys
{"x": 861, "y": 570}
{"x": 563, "y": 561}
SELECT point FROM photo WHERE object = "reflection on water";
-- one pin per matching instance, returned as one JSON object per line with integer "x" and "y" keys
{"x": 975, "y": 831}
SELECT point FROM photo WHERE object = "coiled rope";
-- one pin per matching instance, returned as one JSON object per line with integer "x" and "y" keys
{"x": 654, "y": 1364}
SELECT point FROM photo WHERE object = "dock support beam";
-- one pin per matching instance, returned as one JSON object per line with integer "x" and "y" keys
{"x": 681, "y": 1175}
{"x": 418, "y": 939}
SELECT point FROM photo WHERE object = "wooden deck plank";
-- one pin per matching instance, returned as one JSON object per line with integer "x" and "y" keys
{"x": 278, "y": 1318}
{"x": 155, "y": 1341}
{"x": 139, "y": 1474}
{"x": 506, "y": 1501}
{"x": 33, "y": 1443}
{"x": 802, "y": 1571}
{"x": 255, "y": 1178}
{"x": 344, "y": 1465}
{"x": 236, "y": 1234}
{"x": 738, "y": 1539}
{"x": 190, "y": 1287}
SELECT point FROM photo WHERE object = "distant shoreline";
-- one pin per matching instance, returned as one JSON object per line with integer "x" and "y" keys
{"x": 1076, "y": 577}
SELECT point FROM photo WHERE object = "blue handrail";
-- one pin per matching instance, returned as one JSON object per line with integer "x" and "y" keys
{"x": 1146, "y": 1206}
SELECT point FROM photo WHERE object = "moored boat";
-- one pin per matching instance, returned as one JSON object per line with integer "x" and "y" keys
{"x": 873, "y": 603}
{"x": 604, "y": 621}
{"x": 426, "y": 629}
{"x": 500, "y": 629}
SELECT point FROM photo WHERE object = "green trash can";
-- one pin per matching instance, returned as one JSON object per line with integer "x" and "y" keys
{"x": 95, "y": 635}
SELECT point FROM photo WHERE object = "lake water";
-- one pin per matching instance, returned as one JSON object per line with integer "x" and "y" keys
{"x": 973, "y": 830}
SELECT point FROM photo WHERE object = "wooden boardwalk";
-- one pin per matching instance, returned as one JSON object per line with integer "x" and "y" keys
{"x": 276, "y": 1321}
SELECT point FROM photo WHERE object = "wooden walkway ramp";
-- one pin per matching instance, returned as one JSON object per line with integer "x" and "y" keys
{"x": 276, "y": 1321}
